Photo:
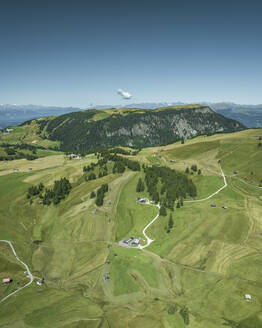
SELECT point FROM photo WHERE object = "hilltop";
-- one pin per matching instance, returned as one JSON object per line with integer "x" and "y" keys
{"x": 89, "y": 130}
{"x": 11, "y": 115}
{"x": 194, "y": 273}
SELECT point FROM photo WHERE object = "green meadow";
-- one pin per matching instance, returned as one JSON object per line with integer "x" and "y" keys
{"x": 194, "y": 276}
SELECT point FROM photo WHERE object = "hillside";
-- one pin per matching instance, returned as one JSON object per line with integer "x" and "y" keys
{"x": 87, "y": 131}
{"x": 193, "y": 274}
{"x": 11, "y": 115}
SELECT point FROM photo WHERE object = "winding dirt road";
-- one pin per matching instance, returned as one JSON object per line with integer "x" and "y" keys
{"x": 29, "y": 274}
{"x": 215, "y": 193}
{"x": 149, "y": 241}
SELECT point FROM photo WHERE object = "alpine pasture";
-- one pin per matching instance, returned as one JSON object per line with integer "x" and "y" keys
{"x": 195, "y": 275}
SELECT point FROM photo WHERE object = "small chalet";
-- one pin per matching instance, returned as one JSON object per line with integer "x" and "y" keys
{"x": 6, "y": 281}
{"x": 40, "y": 282}
{"x": 247, "y": 297}
{"x": 74, "y": 156}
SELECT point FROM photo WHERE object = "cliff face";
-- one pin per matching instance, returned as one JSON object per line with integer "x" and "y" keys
{"x": 138, "y": 128}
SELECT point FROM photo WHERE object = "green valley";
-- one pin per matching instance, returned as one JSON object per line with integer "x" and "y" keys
{"x": 195, "y": 273}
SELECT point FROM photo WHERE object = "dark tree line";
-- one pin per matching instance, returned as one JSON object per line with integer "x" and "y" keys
{"x": 193, "y": 169}
{"x": 15, "y": 151}
{"x": 174, "y": 187}
{"x": 140, "y": 185}
{"x": 61, "y": 188}
{"x": 100, "y": 194}
{"x": 35, "y": 190}
{"x": 120, "y": 165}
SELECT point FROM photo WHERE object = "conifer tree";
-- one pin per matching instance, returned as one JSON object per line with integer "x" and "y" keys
{"x": 170, "y": 222}
{"x": 162, "y": 211}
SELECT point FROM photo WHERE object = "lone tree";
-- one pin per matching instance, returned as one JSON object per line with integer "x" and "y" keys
{"x": 187, "y": 170}
{"x": 93, "y": 194}
{"x": 194, "y": 168}
{"x": 170, "y": 222}
{"x": 199, "y": 172}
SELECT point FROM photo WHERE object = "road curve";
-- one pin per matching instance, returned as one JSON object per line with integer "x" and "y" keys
{"x": 27, "y": 271}
{"x": 148, "y": 240}
{"x": 215, "y": 193}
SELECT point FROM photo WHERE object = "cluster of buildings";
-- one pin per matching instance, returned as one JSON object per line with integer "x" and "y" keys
{"x": 131, "y": 241}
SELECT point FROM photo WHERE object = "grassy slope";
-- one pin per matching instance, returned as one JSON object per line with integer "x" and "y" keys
{"x": 27, "y": 134}
{"x": 209, "y": 260}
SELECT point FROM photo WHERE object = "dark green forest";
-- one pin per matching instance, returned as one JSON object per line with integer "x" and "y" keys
{"x": 79, "y": 132}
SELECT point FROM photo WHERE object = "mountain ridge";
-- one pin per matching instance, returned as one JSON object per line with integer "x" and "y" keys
{"x": 248, "y": 115}
{"x": 89, "y": 130}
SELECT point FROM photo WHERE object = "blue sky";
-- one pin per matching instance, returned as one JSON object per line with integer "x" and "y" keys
{"x": 80, "y": 52}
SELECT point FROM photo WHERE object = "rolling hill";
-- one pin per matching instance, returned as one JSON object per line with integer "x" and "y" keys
{"x": 196, "y": 275}
{"x": 87, "y": 131}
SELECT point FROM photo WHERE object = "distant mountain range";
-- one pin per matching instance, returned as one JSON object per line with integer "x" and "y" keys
{"x": 17, "y": 114}
{"x": 249, "y": 115}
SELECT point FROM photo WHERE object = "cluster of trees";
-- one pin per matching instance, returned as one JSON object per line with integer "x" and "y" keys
{"x": 140, "y": 187}
{"x": 59, "y": 191}
{"x": 185, "y": 315}
{"x": 35, "y": 190}
{"x": 173, "y": 187}
{"x": 19, "y": 151}
{"x": 18, "y": 155}
{"x": 100, "y": 194}
{"x": 120, "y": 165}
{"x": 193, "y": 169}
{"x": 183, "y": 312}
{"x": 103, "y": 170}
{"x": 90, "y": 176}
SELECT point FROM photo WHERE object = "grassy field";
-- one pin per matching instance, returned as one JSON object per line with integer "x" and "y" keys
{"x": 196, "y": 276}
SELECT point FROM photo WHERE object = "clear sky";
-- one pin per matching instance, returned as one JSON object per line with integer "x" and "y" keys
{"x": 64, "y": 52}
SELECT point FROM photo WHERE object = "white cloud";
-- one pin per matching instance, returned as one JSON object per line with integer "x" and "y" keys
{"x": 124, "y": 94}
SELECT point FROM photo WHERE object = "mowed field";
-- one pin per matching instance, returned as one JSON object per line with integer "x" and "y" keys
{"x": 206, "y": 264}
